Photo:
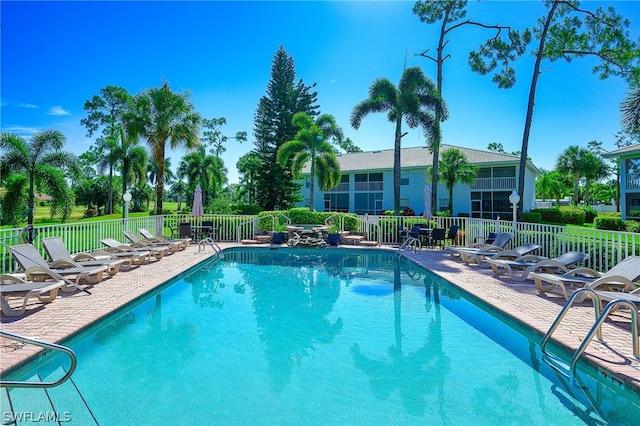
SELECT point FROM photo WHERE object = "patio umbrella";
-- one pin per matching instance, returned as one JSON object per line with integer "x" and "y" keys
{"x": 427, "y": 202}
{"x": 197, "y": 209}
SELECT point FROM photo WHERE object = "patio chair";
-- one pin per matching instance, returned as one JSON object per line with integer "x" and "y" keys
{"x": 452, "y": 234}
{"x": 491, "y": 251}
{"x": 500, "y": 242}
{"x": 183, "y": 243}
{"x": 20, "y": 285}
{"x": 30, "y": 261}
{"x": 115, "y": 246}
{"x": 144, "y": 243}
{"x": 58, "y": 253}
{"x": 437, "y": 237}
{"x": 519, "y": 269}
{"x": 186, "y": 231}
{"x": 621, "y": 276}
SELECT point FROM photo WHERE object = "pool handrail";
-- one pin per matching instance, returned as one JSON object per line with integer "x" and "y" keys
{"x": 45, "y": 345}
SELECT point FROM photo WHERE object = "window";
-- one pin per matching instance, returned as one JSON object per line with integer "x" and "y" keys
{"x": 336, "y": 202}
{"x": 504, "y": 171}
{"x": 343, "y": 186}
{"x": 404, "y": 179}
{"x": 366, "y": 202}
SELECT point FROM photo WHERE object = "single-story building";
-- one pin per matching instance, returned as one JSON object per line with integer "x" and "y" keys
{"x": 367, "y": 184}
{"x": 629, "y": 159}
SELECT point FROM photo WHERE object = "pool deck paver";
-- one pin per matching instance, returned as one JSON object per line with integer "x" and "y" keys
{"x": 73, "y": 312}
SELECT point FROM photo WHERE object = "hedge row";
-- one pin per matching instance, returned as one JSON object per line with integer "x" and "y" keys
{"x": 304, "y": 216}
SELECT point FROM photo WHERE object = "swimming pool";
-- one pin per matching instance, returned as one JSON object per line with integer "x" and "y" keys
{"x": 297, "y": 336}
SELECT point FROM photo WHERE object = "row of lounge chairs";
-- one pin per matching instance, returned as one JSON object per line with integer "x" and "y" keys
{"x": 43, "y": 279}
{"x": 561, "y": 272}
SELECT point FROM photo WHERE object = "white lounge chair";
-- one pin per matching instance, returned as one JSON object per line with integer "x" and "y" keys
{"x": 17, "y": 285}
{"x": 184, "y": 242}
{"x": 146, "y": 243}
{"x": 520, "y": 268}
{"x": 479, "y": 256}
{"x": 619, "y": 277}
{"x": 28, "y": 257}
{"x": 115, "y": 246}
{"x": 500, "y": 242}
{"x": 59, "y": 255}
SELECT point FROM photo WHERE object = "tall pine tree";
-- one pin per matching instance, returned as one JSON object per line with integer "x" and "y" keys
{"x": 275, "y": 185}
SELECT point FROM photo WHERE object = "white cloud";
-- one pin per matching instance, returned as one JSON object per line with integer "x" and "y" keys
{"x": 58, "y": 110}
{"x": 30, "y": 106}
{"x": 25, "y": 132}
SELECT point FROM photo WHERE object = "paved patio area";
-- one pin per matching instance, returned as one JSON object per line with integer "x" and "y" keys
{"x": 73, "y": 312}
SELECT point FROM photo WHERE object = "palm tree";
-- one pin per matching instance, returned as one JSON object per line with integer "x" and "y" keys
{"x": 570, "y": 162}
{"x": 454, "y": 168}
{"x": 593, "y": 168}
{"x": 248, "y": 165}
{"x": 161, "y": 116}
{"x": 311, "y": 145}
{"x": 134, "y": 162}
{"x": 630, "y": 110}
{"x": 38, "y": 165}
{"x": 415, "y": 100}
{"x": 550, "y": 184}
{"x": 179, "y": 188}
{"x": 201, "y": 168}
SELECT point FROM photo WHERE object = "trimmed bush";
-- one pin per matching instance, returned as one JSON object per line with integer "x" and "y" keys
{"x": 589, "y": 214}
{"x": 631, "y": 226}
{"x": 246, "y": 209}
{"x": 531, "y": 217}
{"x": 549, "y": 215}
{"x": 609, "y": 223}
{"x": 572, "y": 215}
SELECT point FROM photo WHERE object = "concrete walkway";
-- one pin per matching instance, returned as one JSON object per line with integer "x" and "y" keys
{"x": 74, "y": 312}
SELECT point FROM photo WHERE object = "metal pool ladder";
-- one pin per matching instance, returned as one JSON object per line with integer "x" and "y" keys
{"x": 596, "y": 328}
{"x": 210, "y": 242}
{"x": 46, "y": 345}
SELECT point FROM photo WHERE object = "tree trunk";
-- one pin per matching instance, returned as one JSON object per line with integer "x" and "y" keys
{"x": 160, "y": 179}
{"x": 531, "y": 103}
{"x": 436, "y": 143}
{"x": 396, "y": 167}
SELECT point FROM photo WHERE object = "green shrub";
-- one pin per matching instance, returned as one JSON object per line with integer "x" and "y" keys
{"x": 444, "y": 213}
{"x": 609, "y": 223}
{"x": 572, "y": 215}
{"x": 634, "y": 213}
{"x": 304, "y": 216}
{"x": 549, "y": 215}
{"x": 531, "y": 217}
{"x": 246, "y": 209}
{"x": 631, "y": 226}
{"x": 589, "y": 214}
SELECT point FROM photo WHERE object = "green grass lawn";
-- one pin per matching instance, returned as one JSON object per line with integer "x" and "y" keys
{"x": 42, "y": 216}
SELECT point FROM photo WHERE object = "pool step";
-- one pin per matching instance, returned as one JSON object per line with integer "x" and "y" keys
{"x": 61, "y": 404}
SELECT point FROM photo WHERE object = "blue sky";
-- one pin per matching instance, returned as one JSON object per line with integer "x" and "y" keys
{"x": 57, "y": 55}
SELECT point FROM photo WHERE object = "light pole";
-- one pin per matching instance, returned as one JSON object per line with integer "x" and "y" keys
{"x": 126, "y": 197}
{"x": 514, "y": 199}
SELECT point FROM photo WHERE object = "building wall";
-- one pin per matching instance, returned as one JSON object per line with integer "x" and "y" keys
{"x": 412, "y": 192}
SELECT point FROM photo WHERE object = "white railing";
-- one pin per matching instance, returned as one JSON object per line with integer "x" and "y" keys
{"x": 605, "y": 248}
{"x": 494, "y": 183}
{"x": 633, "y": 180}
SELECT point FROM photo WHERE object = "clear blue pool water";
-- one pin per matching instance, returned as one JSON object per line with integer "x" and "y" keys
{"x": 295, "y": 336}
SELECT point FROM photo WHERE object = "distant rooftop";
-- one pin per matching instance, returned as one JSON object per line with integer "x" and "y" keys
{"x": 631, "y": 149}
{"x": 417, "y": 157}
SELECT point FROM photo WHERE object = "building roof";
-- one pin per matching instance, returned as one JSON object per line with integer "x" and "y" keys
{"x": 627, "y": 150}
{"x": 416, "y": 157}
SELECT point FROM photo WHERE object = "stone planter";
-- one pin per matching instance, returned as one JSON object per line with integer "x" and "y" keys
{"x": 333, "y": 239}
{"x": 278, "y": 238}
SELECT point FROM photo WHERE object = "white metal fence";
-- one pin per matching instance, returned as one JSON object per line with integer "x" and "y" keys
{"x": 605, "y": 248}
